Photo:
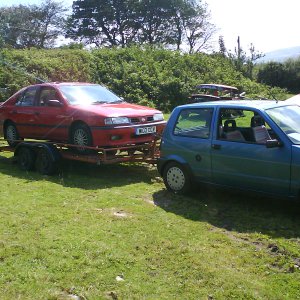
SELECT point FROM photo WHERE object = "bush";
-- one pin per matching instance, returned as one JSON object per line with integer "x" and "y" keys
{"x": 147, "y": 76}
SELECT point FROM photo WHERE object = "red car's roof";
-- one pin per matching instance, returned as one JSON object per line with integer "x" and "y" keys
{"x": 65, "y": 83}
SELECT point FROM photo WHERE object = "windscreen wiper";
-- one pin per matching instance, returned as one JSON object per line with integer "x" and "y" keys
{"x": 99, "y": 102}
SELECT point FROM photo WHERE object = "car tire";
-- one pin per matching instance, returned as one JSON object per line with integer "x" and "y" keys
{"x": 26, "y": 159}
{"x": 81, "y": 136}
{"x": 11, "y": 134}
{"x": 44, "y": 164}
{"x": 176, "y": 178}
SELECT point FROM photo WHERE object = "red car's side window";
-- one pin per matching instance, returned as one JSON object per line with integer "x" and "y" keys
{"x": 46, "y": 95}
{"x": 27, "y": 98}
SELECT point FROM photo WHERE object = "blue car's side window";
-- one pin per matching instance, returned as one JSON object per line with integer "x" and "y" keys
{"x": 194, "y": 122}
{"x": 238, "y": 125}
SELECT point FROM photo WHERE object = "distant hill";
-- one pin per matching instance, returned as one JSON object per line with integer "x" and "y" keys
{"x": 281, "y": 55}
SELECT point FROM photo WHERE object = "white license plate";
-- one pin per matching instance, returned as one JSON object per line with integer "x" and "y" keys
{"x": 145, "y": 130}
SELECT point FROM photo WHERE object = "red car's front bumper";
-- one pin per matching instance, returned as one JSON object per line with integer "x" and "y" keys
{"x": 121, "y": 135}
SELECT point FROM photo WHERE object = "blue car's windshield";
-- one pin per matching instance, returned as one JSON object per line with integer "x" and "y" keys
{"x": 288, "y": 119}
{"x": 88, "y": 94}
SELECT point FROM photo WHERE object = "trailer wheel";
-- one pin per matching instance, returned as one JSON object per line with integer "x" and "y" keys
{"x": 11, "y": 134}
{"x": 26, "y": 159}
{"x": 45, "y": 164}
{"x": 176, "y": 178}
{"x": 81, "y": 136}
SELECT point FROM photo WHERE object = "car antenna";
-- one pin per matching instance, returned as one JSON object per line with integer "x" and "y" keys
{"x": 273, "y": 96}
{"x": 22, "y": 70}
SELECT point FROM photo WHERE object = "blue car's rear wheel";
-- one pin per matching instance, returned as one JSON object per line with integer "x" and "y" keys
{"x": 176, "y": 178}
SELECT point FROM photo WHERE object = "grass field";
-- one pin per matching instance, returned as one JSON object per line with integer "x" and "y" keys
{"x": 114, "y": 232}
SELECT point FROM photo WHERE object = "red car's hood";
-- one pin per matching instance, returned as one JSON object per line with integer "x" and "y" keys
{"x": 118, "y": 109}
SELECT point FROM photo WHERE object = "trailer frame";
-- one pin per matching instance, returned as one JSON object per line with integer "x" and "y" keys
{"x": 45, "y": 156}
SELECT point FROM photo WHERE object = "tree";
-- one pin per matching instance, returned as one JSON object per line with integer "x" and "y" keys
{"x": 284, "y": 75}
{"x": 103, "y": 22}
{"x": 50, "y": 18}
{"x": 14, "y": 25}
{"x": 272, "y": 74}
{"x": 189, "y": 25}
{"x": 243, "y": 61}
{"x": 121, "y": 23}
{"x": 222, "y": 48}
{"x": 32, "y": 26}
{"x": 177, "y": 11}
{"x": 197, "y": 28}
{"x": 153, "y": 18}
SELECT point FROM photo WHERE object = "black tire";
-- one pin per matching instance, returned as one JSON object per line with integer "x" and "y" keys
{"x": 81, "y": 136}
{"x": 45, "y": 164}
{"x": 131, "y": 152}
{"x": 26, "y": 159}
{"x": 176, "y": 178}
{"x": 11, "y": 134}
{"x": 111, "y": 153}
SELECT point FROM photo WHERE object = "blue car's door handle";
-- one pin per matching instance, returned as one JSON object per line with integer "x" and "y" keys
{"x": 216, "y": 146}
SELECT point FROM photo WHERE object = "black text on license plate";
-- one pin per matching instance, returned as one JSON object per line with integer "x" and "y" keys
{"x": 145, "y": 130}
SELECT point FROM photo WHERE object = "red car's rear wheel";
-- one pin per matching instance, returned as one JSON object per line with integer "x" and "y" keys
{"x": 11, "y": 134}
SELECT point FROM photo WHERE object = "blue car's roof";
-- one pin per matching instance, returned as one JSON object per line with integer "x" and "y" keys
{"x": 243, "y": 104}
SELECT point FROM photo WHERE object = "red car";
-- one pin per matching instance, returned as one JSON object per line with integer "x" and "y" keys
{"x": 77, "y": 113}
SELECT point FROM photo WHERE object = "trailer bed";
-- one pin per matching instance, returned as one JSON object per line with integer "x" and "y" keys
{"x": 45, "y": 156}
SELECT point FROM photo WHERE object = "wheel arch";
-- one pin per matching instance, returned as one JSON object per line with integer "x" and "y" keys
{"x": 163, "y": 162}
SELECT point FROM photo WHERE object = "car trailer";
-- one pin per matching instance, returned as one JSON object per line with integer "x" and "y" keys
{"x": 46, "y": 156}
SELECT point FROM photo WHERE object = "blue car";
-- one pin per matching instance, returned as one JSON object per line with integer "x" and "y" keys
{"x": 252, "y": 145}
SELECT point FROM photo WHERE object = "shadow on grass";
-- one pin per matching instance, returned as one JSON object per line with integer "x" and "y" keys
{"x": 235, "y": 211}
{"x": 85, "y": 175}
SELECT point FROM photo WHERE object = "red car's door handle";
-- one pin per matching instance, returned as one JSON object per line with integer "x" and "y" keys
{"x": 216, "y": 146}
{"x": 36, "y": 113}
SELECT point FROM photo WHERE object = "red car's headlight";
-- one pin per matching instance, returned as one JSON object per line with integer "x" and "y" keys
{"x": 158, "y": 117}
{"x": 116, "y": 120}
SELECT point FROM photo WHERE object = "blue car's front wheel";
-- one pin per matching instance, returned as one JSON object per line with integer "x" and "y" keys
{"x": 176, "y": 178}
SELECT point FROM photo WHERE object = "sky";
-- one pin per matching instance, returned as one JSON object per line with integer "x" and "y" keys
{"x": 267, "y": 24}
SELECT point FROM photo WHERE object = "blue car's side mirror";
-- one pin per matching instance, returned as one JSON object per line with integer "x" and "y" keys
{"x": 273, "y": 143}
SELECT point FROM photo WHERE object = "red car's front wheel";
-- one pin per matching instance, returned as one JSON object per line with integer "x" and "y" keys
{"x": 81, "y": 136}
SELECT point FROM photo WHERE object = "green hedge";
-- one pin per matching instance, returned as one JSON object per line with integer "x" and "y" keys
{"x": 154, "y": 77}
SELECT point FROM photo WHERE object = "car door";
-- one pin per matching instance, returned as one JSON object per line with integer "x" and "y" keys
{"x": 50, "y": 115}
{"x": 247, "y": 163}
{"x": 190, "y": 142}
{"x": 23, "y": 113}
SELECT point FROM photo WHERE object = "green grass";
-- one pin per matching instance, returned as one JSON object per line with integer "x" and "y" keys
{"x": 74, "y": 233}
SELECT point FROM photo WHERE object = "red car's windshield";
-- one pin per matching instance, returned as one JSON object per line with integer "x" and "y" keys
{"x": 88, "y": 94}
